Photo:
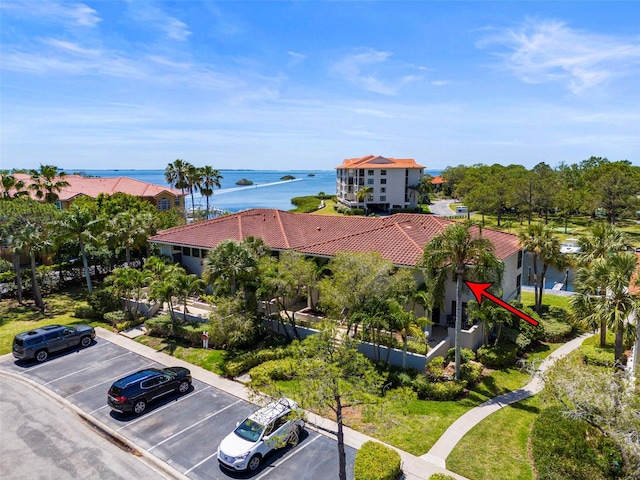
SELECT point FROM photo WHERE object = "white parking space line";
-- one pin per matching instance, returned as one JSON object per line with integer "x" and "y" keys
{"x": 97, "y": 409}
{"x": 85, "y": 368}
{"x": 44, "y": 364}
{"x": 200, "y": 463}
{"x": 286, "y": 457}
{"x": 133, "y": 422}
{"x": 111, "y": 381}
{"x": 197, "y": 423}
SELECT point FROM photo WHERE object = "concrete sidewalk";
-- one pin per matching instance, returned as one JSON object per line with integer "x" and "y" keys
{"x": 458, "y": 429}
{"x": 414, "y": 467}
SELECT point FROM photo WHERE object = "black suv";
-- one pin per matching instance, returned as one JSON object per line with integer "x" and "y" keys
{"x": 40, "y": 342}
{"x": 133, "y": 392}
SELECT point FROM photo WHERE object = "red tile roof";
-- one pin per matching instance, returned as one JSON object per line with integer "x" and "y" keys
{"x": 377, "y": 161}
{"x": 399, "y": 238}
{"x": 438, "y": 180}
{"x": 93, "y": 186}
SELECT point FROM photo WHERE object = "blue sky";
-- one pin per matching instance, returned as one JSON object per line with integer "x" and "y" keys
{"x": 284, "y": 85}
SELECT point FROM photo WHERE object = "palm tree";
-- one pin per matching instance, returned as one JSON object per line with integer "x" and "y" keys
{"x": 602, "y": 293}
{"x": 539, "y": 239}
{"x": 210, "y": 180}
{"x": 47, "y": 183}
{"x": 601, "y": 241}
{"x": 78, "y": 224}
{"x": 11, "y": 187}
{"x": 187, "y": 286}
{"x": 176, "y": 175}
{"x": 363, "y": 194}
{"x": 228, "y": 265}
{"x": 130, "y": 230}
{"x": 194, "y": 179}
{"x": 460, "y": 247}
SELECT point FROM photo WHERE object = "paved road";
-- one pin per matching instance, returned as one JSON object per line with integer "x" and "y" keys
{"x": 42, "y": 439}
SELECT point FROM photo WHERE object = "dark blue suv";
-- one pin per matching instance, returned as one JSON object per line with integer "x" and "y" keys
{"x": 133, "y": 392}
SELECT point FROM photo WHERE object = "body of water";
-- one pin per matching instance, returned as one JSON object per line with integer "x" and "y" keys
{"x": 267, "y": 191}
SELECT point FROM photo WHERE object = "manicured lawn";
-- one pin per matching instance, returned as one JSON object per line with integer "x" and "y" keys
{"x": 550, "y": 300}
{"x": 328, "y": 209}
{"x": 15, "y": 319}
{"x": 211, "y": 360}
{"x": 496, "y": 448}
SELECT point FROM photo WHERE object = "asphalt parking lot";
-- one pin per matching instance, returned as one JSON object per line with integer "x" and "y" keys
{"x": 181, "y": 430}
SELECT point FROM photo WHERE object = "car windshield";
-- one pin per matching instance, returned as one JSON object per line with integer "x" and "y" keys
{"x": 249, "y": 430}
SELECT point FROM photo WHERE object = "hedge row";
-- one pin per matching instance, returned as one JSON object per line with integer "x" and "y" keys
{"x": 164, "y": 327}
{"x": 245, "y": 362}
{"x": 501, "y": 356}
{"x": 375, "y": 461}
{"x": 555, "y": 331}
{"x": 592, "y": 355}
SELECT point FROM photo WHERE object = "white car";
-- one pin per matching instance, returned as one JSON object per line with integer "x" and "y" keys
{"x": 274, "y": 426}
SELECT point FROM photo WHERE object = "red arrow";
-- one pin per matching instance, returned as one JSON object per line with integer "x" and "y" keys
{"x": 480, "y": 289}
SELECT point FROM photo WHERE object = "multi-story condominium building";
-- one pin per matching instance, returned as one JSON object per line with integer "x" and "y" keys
{"x": 389, "y": 180}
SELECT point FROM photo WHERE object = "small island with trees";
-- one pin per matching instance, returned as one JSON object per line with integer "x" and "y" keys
{"x": 244, "y": 181}
{"x": 288, "y": 177}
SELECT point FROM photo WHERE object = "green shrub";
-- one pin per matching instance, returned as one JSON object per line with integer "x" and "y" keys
{"x": 130, "y": 323}
{"x": 414, "y": 346}
{"x": 470, "y": 372}
{"x": 435, "y": 368}
{"x": 500, "y": 356}
{"x": 282, "y": 369}
{"x": 592, "y": 355}
{"x": 441, "y": 476}
{"x": 84, "y": 312}
{"x": 444, "y": 391}
{"x": 566, "y": 448}
{"x": 555, "y": 331}
{"x": 306, "y": 204}
{"x": 440, "y": 391}
{"x": 375, "y": 461}
{"x": 103, "y": 301}
{"x": 249, "y": 360}
{"x": 115, "y": 317}
{"x": 466, "y": 355}
{"x": 190, "y": 334}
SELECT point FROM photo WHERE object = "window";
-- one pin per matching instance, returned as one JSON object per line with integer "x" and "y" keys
{"x": 203, "y": 253}
{"x": 383, "y": 172}
{"x": 164, "y": 204}
{"x": 51, "y": 336}
{"x": 369, "y": 172}
{"x": 186, "y": 251}
{"x": 520, "y": 259}
{"x": 383, "y": 198}
{"x": 518, "y": 284}
{"x": 383, "y": 190}
{"x": 176, "y": 202}
{"x": 383, "y": 181}
{"x": 369, "y": 181}
{"x": 195, "y": 252}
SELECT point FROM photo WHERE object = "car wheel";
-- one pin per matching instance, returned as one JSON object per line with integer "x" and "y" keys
{"x": 183, "y": 387}
{"x": 254, "y": 463}
{"x": 139, "y": 406}
{"x": 42, "y": 355}
{"x": 85, "y": 342}
{"x": 294, "y": 437}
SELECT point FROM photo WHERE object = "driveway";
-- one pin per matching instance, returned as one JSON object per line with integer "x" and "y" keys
{"x": 181, "y": 433}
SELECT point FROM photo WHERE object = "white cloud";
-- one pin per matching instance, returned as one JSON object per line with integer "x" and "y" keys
{"x": 61, "y": 12}
{"x": 549, "y": 51}
{"x": 364, "y": 71}
{"x": 155, "y": 18}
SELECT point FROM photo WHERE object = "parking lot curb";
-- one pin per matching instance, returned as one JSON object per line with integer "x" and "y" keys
{"x": 104, "y": 430}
